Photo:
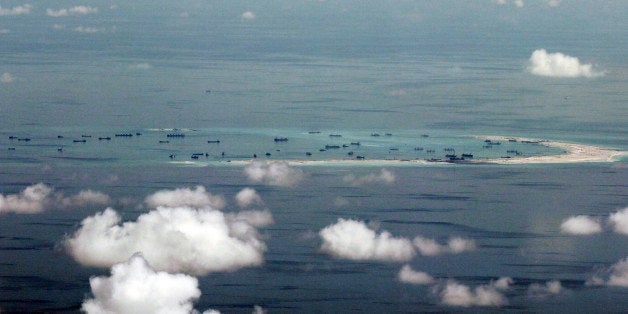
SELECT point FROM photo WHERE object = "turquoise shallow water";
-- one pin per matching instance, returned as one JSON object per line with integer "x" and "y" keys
{"x": 446, "y": 69}
{"x": 512, "y": 212}
{"x": 191, "y": 146}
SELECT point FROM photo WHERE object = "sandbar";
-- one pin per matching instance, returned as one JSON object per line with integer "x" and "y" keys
{"x": 572, "y": 153}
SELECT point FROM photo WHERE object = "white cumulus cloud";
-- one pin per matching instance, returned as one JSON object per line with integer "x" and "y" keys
{"x": 408, "y": 275}
{"x": 453, "y": 293}
{"x": 247, "y": 197}
{"x": 384, "y": 176}
{"x": 57, "y": 13}
{"x": 559, "y": 65}
{"x": 553, "y": 287}
{"x": 39, "y": 197}
{"x": 258, "y": 310}
{"x": 134, "y": 287}
{"x": 181, "y": 239}
{"x": 273, "y": 173}
{"x": 581, "y": 225}
{"x": 553, "y": 3}
{"x": 31, "y": 200}
{"x": 19, "y": 10}
{"x": 7, "y": 77}
{"x": 584, "y": 225}
{"x": 616, "y": 275}
{"x": 503, "y": 283}
{"x": 81, "y": 9}
{"x": 517, "y": 3}
{"x": 83, "y": 198}
{"x": 619, "y": 221}
{"x": 77, "y": 10}
{"x": 248, "y": 15}
{"x": 88, "y": 30}
{"x": 455, "y": 245}
{"x": 354, "y": 240}
{"x": 197, "y": 197}
{"x": 619, "y": 274}
{"x": 254, "y": 218}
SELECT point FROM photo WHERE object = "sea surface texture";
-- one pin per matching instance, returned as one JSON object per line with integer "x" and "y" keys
{"x": 313, "y": 156}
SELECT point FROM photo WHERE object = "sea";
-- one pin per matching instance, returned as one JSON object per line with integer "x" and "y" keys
{"x": 158, "y": 101}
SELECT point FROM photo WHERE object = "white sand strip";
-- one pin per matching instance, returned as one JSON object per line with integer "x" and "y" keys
{"x": 573, "y": 153}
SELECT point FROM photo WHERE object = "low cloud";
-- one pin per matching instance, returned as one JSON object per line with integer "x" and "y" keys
{"x": 57, "y": 13}
{"x": 197, "y": 198}
{"x": 19, "y": 10}
{"x": 619, "y": 221}
{"x": 384, "y": 176}
{"x": 553, "y": 3}
{"x": 503, "y": 283}
{"x": 453, "y": 293}
{"x": 248, "y": 15}
{"x": 408, "y": 275}
{"x": 134, "y": 287}
{"x": 81, "y": 9}
{"x": 584, "y": 225}
{"x": 581, "y": 225}
{"x": 84, "y": 198}
{"x": 430, "y": 247}
{"x": 247, "y": 197}
{"x": 88, "y": 30}
{"x": 550, "y": 288}
{"x": 354, "y": 240}
{"x": 7, "y": 78}
{"x": 273, "y": 173}
{"x": 517, "y": 3}
{"x": 39, "y": 197}
{"x": 559, "y": 65}
{"x": 619, "y": 274}
{"x": 77, "y": 10}
{"x": 181, "y": 239}
{"x": 616, "y": 275}
{"x": 30, "y": 201}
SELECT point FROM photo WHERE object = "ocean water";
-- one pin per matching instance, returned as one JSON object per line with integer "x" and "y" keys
{"x": 431, "y": 83}
{"x": 513, "y": 214}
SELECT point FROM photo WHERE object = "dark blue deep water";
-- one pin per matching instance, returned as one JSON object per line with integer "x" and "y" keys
{"x": 427, "y": 75}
